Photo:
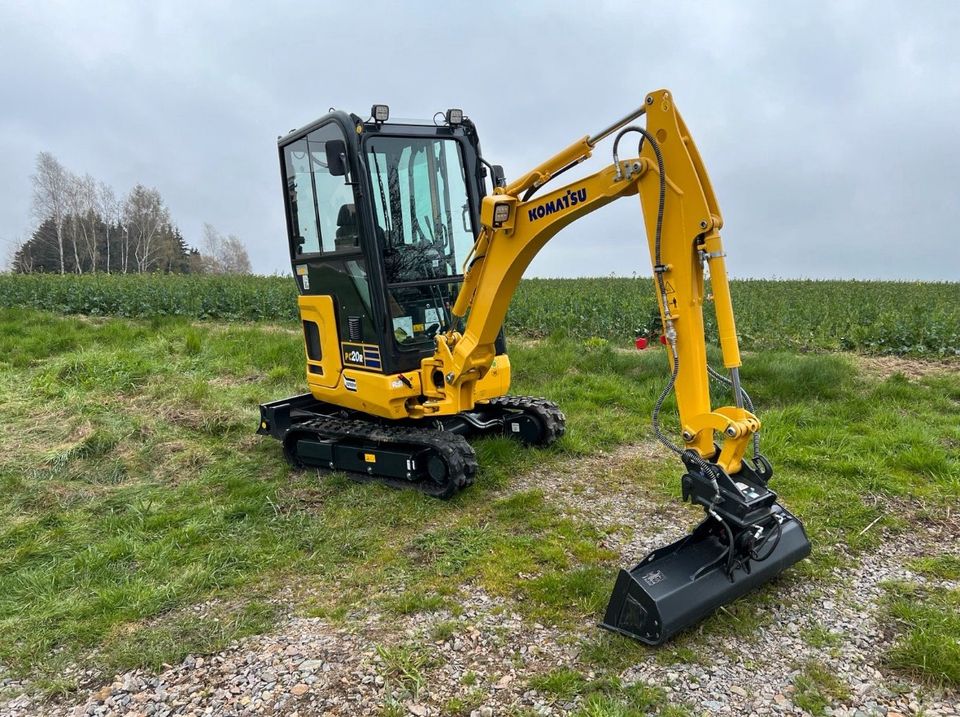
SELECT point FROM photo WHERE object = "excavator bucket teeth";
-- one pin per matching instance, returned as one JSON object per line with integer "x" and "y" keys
{"x": 678, "y": 585}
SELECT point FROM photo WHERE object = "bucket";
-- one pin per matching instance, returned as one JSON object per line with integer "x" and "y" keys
{"x": 680, "y": 584}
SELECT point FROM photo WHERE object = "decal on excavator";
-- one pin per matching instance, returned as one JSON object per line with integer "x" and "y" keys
{"x": 570, "y": 199}
{"x": 366, "y": 355}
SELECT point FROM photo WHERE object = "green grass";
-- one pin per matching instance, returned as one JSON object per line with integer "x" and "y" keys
{"x": 464, "y": 704}
{"x": 406, "y": 665}
{"x": 603, "y": 697}
{"x": 443, "y": 631}
{"x": 818, "y": 688}
{"x": 177, "y": 634}
{"x": 563, "y": 683}
{"x": 927, "y": 623}
{"x": 912, "y": 318}
{"x": 821, "y": 637}
{"x": 945, "y": 567}
{"x": 134, "y": 490}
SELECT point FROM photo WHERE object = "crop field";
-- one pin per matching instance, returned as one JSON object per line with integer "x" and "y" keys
{"x": 147, "y": 535}
{"x": 898, "y": 318}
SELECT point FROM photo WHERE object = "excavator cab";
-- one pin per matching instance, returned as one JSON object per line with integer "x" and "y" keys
{"x": 381, "y": 217}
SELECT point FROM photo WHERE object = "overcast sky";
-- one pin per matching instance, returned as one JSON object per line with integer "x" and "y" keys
{"x": 831, "y": 130}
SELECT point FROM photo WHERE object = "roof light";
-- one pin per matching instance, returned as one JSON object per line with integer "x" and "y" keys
{"x": 454, "y": 116}
{"x": 380, "y": 113}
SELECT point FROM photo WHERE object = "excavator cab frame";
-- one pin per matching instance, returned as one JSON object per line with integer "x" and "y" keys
{"x": 371, "y": 223}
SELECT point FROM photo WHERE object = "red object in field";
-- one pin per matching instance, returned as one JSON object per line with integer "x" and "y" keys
{"x": 641, "y": 343}
{"x": 663, "y": 339}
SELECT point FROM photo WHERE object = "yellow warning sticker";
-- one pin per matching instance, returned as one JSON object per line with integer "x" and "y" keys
{"x": 302, "y": 270}
{"x": 370, "y": 457}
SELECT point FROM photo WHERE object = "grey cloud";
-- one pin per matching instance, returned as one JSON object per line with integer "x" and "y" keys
{"x": 828, "y": 127}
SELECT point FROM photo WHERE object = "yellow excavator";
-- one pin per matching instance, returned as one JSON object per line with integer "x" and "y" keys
{"x": 406, "y": 265}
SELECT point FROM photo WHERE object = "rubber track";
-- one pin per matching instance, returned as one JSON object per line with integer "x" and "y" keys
{"x": 454, "y": 449}
{"x": 547, "y": 412}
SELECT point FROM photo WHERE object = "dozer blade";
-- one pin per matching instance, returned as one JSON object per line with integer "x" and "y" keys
{"x": 680, "y": 584}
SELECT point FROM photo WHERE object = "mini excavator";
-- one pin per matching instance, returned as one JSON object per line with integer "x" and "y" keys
{"x": 406, "y": 266}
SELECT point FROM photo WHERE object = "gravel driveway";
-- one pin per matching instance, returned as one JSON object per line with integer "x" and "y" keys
{"x": 421, "y": 664}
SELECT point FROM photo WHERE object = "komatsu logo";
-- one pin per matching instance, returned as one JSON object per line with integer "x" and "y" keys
{"x": 570, "y": 199}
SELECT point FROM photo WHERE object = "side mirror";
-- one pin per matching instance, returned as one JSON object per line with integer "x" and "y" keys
{"x": 499, "y": 177}
{"x": 336, "y": 151}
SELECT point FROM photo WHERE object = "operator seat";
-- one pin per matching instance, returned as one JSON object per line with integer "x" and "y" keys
{"x": 348, "y": 233}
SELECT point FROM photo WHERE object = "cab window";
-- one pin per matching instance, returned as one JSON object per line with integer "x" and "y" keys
{"x": 321, "y": 205}
{"x": 425, "y": 230}
{"x": 421, "y": 207}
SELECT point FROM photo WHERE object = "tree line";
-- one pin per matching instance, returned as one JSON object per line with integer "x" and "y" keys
{"x": 83, "y": 227}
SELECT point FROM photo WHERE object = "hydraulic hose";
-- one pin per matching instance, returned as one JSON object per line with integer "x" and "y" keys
{"x": 670, "y": 332}
{"x": 658, "y": 432}
{"x": 755, "y": 553}
{"x": 660, "y": 286}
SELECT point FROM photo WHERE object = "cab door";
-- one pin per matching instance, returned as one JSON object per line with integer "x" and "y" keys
{"x": 326, "y": 251}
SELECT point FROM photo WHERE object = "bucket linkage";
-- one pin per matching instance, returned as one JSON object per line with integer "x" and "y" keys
{"x": 746, "y": 540}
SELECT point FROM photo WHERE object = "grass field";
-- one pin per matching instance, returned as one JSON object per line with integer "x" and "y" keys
{"x": 134, "y": 488}
{"x": 904, "y": 318}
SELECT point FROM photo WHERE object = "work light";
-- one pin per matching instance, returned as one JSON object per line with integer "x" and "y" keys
{"x": 380, "y": 113}
{"x": 454, "y": 116}
{"x": 501, "y": 212}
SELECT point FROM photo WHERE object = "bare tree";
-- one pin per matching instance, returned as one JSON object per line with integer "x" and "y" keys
{"x": 234, "y": 258}
{"x": 51, "y": 184}
{"x": 25, "y": 263}
{"x": 84, "y": 219}
{"x": 224, "y": 254}
{"x": 20, "y": 258}
{"x": 110, "y": 211}
{"x": 21, "y": 261}
{"x": 80, "y": 225}
{"x": 144, "y": 217}
{"x": 125, "y": 247}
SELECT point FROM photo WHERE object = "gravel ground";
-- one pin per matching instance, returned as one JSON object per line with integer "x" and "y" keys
{"x": 486, "y": 656}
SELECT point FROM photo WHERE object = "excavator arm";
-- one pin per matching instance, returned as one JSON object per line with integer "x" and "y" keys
{"x": 682, "y": 223}
{"x": 746, "y": 537}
